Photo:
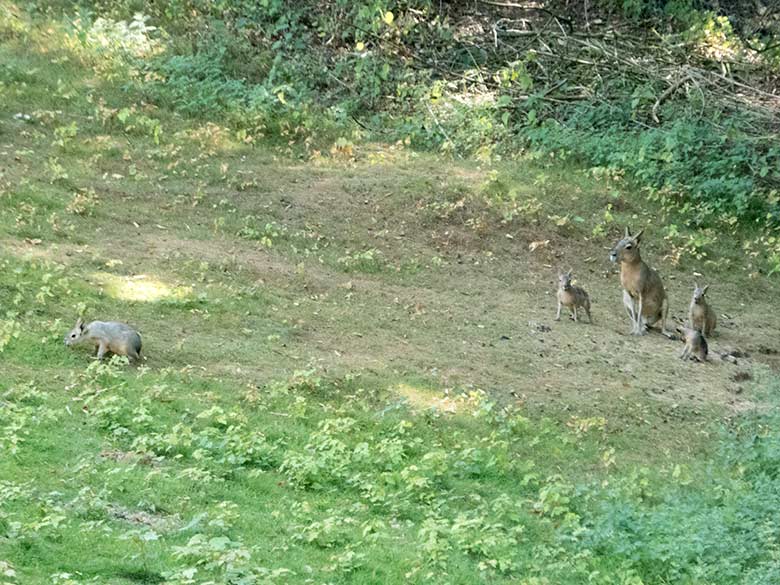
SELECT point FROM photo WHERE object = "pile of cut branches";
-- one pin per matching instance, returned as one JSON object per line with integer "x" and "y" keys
{"x": 576, "y": 56}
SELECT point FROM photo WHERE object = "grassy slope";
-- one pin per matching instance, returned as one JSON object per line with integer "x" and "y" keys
{"x": 284, "y": 410}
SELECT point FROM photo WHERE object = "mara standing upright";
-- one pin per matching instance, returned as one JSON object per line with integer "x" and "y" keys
{"x": 643, "y": 290}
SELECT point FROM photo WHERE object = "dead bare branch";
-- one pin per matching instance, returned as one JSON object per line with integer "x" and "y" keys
{"x": 661, "y": 98}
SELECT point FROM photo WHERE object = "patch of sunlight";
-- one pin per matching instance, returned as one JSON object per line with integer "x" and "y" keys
{"x": 378, "y": 153}
{"x": 140, "y": 287}
{"x": 715, "y": 39}
{"x": 474, "y": 99}
{"x": 13, "y": 24}
{"x": 421, "y": 398}
{"x": 213, "y": 137}
{"x": 134, "y": 37}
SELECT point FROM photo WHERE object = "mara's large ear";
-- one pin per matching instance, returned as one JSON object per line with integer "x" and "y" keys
{"x": 696, "y": 284}
{"x": 704, "y": 290}
{"x": 638, "y": 235}
{"x": 628, "y": 233}
{"x": 569, "y": 272}
{"x": 80, "y": 323}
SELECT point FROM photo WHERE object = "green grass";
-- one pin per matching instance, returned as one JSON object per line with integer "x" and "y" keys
{"x": 346, "y": 381}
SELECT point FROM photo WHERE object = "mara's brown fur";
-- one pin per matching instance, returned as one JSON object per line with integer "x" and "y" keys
{"x": 572, "y": 297}
{"x": 695, "y": 345}
{"x": 644, "y": 295}
{"x": 700, "y": 314}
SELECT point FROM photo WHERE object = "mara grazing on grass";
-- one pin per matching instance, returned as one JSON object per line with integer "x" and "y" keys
{"x": 643, "y": 290}
{"x": 118, "y": 338}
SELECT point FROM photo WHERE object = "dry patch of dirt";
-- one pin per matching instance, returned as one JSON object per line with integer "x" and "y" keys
{"x": 482, "y": 317}
{"x": 465, "y": 326}
{"x": 155, "y": 520}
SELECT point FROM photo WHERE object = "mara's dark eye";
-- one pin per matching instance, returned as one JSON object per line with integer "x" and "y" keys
{"x": 629, "y": 247}
{"x": 73, "y": 335}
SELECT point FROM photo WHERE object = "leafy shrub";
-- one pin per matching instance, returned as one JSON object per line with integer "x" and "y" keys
{"x": 713, "y": 529}
{"x": 683, "y": 162}
{"x": 134, "y": 37}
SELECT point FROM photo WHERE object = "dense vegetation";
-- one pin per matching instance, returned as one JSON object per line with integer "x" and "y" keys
{"x": 340, "y": 386}
{"x": 679, "y": 96}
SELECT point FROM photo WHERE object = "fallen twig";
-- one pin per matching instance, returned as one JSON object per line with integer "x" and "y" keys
{"x": 661, "y": 98}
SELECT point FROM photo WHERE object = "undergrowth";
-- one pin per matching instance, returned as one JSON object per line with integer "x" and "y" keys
{"x": 109, "y": 471}
{"x": 334, "y": 73}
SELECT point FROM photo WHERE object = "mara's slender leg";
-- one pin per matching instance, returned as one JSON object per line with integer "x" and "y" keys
{"x": 640, "y": 330}
{"x": 628, "y": 303}
{"x": 558, "y": 316}
{"x": 663, "y": 318}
